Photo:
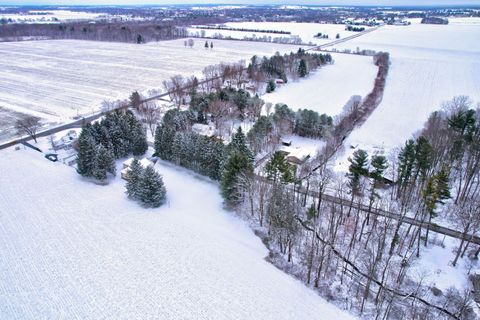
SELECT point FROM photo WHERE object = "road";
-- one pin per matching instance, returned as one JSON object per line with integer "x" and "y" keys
{"x": 80, "y": 122}
{"x": 378, "y": 212}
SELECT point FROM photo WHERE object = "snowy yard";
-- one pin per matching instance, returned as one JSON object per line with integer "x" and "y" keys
{"x": 75, "y": 250}
{"x": 328, "y": 89}
{"x": 58, "y": 79}
{"x": 430, "y": 64}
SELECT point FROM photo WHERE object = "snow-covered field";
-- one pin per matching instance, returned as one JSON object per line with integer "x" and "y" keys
{"x": 58, "y": 79}
{"x": 329, "y": 88}
{"x": 51, "y": 16}
{"x": 75, "y": 250}
{"x": 429, "y": 65}
{"x": 306, "y": 31}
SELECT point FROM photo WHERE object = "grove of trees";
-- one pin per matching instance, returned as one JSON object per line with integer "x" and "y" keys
{"x": 116, "y": 136}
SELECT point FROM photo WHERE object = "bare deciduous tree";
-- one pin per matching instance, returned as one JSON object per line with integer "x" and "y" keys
{"x": 28, "y": 125}
{"x": 150, "y": 114}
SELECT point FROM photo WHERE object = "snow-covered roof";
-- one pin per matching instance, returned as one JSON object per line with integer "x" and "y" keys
{"x": 203, "y": 129}
{"x": 144, "y": 162}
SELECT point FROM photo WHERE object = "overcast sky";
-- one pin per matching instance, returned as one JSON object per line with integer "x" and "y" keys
{"x": 296, "y": 2}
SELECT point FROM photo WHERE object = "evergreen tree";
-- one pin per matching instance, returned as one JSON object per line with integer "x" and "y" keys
{"x": 311, "y": 212}
{"x": 379, "y": 164}
{"x": 86, "y": 152}
{"x": 436, "y": 191}
{"x": 211, "y": 45}
{"x": 151, "y": 190}
{"x": 279, "y": 170}
{"x": 406, "y": 160}
{"x": 357, "y": 169}
{"x": 236, "y": 165}
{"x": 206, "y": 44}
{"x": 135, "y": 99}
{"x": 423, "y": 154}
{"x": 133, "y": 181}
{"x": 302, "y": 69}
{"x": 258, "y": 136}
{"x": 271, "y": 86}
{"x": 239, "y": 145}
{"x": 139, "y": 141}
{"x": 104, "y": 162}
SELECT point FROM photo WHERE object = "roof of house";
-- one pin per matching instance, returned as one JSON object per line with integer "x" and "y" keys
{"x": 144, "y": 162}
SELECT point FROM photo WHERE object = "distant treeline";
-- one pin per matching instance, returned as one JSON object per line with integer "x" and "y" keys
{"x": 242, "y": 29}
{"x": 134, "y": 32}
{"x": 434, "y": 20}
{"x": 354, "y": 29}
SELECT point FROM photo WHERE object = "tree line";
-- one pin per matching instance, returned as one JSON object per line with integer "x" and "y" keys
{"x": 324, "y": 229}
{"x": 116, "y": 136}
{"x": 132, "y": 32}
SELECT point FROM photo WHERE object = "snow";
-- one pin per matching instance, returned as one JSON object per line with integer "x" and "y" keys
{"x": 306, "y": 31}
{"x": 430, "y": 64}
{"x": 76, "y": 250}
{"x": 51, "y": 16}
{"x": 328, "y": 89}
{"x": 301, "y": 146}
{"x": 435, "y": 264}
{"x": 59, "y": 79}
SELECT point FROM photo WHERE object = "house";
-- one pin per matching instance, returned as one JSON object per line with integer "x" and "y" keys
{"x": 298, "y": 156}
{"x": 279, "y": 81}
{"x": 66, "y": 141}
{"x": 126, "y": 166}
{"x": 295, "y": 155}
{"x": 204, "y": 129}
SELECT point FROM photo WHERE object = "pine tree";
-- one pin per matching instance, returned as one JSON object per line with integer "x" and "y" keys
{"x": 379, "y": 164}
{"x": 211, "y": 45}
{"x": 135, "y": 99}
{"x": 406, "y": 160}
{"x": 357, "y": 169}
{"x": 236, "y": 164}
{"x": 271, "y": 86}
{"x": 206, "y": 44}
{"x": 239, "y": 144}
{"x": 302, "y": 69}
{"x": 133, "y": 181}
{"x": 104, "y": 162}
{"x": 311, "y": 212}
{"x": 139, "y": 141}
{"x": 151, "y": 190}
{"x": 279, "y": 170}
{"x": 86, "y": 152}
{"x": 423, "y": 155}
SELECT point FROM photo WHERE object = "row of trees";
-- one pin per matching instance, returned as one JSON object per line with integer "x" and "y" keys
{"x": 117, "y": 135}
{"x": 175, "y": 142}
{"x": 287, "y": 66}
{"x": 345, "y": 240}
{"x": 225, "y": 104}
{"x": 267, "y": 130}
{"x": 133, "y": 32}
{"x": 208, "y": 156}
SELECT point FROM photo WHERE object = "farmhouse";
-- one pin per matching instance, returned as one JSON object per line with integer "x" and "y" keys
{"x": 295, "y": 155}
